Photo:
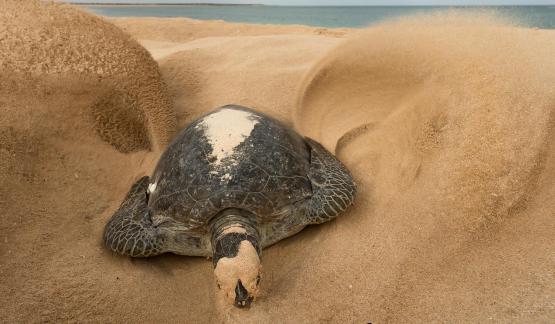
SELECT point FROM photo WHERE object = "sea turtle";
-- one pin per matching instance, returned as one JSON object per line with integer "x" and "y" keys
{"x": 230, "y": 184}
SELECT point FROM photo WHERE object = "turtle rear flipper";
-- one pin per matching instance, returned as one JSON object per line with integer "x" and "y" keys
{"x": 333, "y": 191}
{"x": 130, "y": 230}
{"x": 333, "y": 188}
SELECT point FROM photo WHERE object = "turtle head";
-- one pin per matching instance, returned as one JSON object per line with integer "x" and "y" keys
{"x": 238, "y": 276}
{"x": 236, "y": 256}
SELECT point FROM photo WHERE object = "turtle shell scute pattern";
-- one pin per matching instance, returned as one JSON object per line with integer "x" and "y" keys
{"x": 265, "y": 172}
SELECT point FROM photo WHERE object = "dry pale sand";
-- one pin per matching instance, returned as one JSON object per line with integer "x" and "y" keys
{"x": 447, "y": 124}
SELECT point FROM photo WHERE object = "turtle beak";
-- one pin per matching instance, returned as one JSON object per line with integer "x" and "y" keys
{"x": 242, "y": 298}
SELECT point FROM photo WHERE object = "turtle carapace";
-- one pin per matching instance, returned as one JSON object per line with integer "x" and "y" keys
{"x": 230, "y": 184}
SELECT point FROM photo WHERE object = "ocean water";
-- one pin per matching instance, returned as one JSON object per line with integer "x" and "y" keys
{"x": 531, "y": 16}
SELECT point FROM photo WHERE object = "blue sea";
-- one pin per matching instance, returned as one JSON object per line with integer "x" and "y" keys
{"x": 531, "y": 16}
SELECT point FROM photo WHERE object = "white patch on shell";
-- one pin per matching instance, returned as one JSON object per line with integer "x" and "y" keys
{"x": 227, "y": 129}
{"x": 226, "y": 177}
{"x": 151, "y": 187}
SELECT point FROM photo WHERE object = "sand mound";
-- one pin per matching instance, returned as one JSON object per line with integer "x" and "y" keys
{"x": 132, "y": 111}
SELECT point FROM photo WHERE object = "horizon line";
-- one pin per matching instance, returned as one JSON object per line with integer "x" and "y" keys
{"x": 273, "y": 5}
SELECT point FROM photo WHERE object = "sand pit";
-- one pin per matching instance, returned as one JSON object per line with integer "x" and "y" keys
{"x": 446, "y": 123}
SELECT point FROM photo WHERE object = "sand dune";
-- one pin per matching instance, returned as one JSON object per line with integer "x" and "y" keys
{"x": 446, "y": 122}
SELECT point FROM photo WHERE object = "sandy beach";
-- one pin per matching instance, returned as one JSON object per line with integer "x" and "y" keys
{"x": 447, "y": 123}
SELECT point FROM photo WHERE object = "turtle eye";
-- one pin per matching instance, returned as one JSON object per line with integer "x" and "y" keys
{"x": 257, "y": 280}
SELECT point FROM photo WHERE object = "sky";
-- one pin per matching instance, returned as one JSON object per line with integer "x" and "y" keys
{"x": 344, "y": 3}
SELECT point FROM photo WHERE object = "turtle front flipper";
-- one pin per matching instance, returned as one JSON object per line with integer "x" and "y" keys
{"x": 333, "y": 188}
{"x": 130, "y": 230}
